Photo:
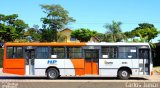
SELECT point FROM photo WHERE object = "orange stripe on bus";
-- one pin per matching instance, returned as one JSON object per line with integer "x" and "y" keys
{"x": 83, "y": 67}
{"x": 91, "y": 68}
{"x": 78, "y": 66}
{"x": 94, "y": 68}
{"x": 46, "y": 44}
{"x": 88, "y": 67}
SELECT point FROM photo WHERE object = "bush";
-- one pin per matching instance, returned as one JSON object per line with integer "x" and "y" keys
{"x": 1, "y": 57}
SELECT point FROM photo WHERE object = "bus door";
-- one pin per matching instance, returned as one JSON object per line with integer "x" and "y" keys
{"x": 91, "y": 62}
{"x": 144, "y": 61}
{"x": 29, "y": 57}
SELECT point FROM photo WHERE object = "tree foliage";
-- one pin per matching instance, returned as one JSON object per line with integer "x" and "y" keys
{"x": 101, "y": 37}
{"x": 114, "y": 33}
{"x": 57, "y": 17}
{"x": 83, "y": 35}
{"x": 11, "y": 27}
{"x": 47, "y": 35}
{"x": 33, "y": 33}
{"x": 145, "y": 31}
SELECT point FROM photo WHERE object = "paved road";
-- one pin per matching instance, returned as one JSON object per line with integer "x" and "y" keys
{"x": 81, "y": 85}
{"x": 76, "y": 82}
{"x": 12, "y": 81}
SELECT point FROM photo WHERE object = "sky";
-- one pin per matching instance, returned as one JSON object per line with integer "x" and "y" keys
{"x": 91, "y": 14}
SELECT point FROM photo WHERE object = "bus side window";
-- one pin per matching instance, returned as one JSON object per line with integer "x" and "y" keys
{"x": 144, "y": 54}
{"x": 59, "y": 51}
{"x": 127, "y": 52}
{"x": 10, "y": 52}
{"x": 14, "y": 52}
{"x": 109, "y": 52}
{"x": 19, "y": 52}
{"x": 74, "y": 52}
{"x": 42, "y": 52}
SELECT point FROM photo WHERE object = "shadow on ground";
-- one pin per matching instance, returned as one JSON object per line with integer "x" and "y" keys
{"x": 69, "y": 78}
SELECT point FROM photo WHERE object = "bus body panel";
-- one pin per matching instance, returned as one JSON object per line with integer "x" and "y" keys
{"x": 108, "y": 72}
{"x": 115, "y": 63}
{"x": 109, "y": 67}
{"x": 67, "y": 67}
{"x": 78, "y": 66}
{"x": 14, "y": 66}
{"x": 45, "y": 63}
{"x": 42, "y": 64}
{"x": 135, "y": 69}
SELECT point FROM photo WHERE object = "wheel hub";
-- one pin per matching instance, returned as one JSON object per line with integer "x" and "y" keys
{"x": 52, "y": 74}
{"x": 124, "y": 73}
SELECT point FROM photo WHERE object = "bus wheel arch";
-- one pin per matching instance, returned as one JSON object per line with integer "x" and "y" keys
{"x": 124, "y": 73}
{"x": 52, "y": 70}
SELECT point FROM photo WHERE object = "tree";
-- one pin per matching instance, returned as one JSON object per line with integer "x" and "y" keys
{"x": 159, "y": 34}
{"x": 101, "y": 37}
{"x": 83, "y": 35}
{"x": 104, "y": 37}
{"x": 114, "y": 33}
{"x": 57, "y": 17}
{"x": 19, "y": 25}
{"x": 46, "y": 35}
{"x": 60, "y": 37}
{"x": 7, "y": 33}
{"x": 11, "y": 27}
{"x": 33, "y": 33}
{"x": 144, "y": 31}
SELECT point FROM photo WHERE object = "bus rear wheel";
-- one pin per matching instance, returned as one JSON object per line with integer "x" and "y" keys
{"x": 52, "y": 73}
{"x": 123, "y": 74}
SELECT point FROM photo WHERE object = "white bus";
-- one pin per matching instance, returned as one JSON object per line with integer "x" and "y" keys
{"x": 78, "y": 59}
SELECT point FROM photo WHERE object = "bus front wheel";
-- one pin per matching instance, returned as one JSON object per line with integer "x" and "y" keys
{"x": 123, "y": 74}
{"x": 52, "y": 73}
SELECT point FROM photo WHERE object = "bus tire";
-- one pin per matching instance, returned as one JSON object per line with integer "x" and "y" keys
{"x": 123, "y": 74}
{"x": 52, "y": 73}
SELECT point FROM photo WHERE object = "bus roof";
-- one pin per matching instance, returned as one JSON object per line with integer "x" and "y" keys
{"x": 45, "y": 44}
{"x": 72, "y": 44}
{"x": 116, "y": 43}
